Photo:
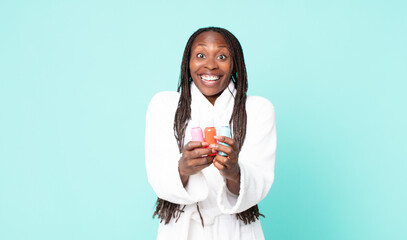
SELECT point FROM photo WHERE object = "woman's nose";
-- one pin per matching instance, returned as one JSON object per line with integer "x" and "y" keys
{"x": 211, "y": 64}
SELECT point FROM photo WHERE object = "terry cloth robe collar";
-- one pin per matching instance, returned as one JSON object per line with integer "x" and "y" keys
{"x": 203, "y": 111}
{"x": 220, "y": 113}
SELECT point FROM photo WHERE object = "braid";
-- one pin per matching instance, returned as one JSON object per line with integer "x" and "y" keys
{"x": 166, "y": 210}
{"x": 250, "y": 215}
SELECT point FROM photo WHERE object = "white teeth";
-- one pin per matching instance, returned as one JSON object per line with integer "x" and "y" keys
{"x": 209, "y": 77}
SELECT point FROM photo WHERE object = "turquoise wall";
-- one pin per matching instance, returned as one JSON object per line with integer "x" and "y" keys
{"x": 76, "y": 78}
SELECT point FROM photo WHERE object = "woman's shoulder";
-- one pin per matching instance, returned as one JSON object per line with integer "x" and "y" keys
{"x": 257, "y": 103}
{"x": 165, "y": 96}
{"x": 163, "y": 101}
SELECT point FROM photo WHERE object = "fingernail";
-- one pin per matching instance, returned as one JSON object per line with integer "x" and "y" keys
{"x": 212, "y": 145}
{"x": 204, "y": 144}
{"x": 217, "y": 137}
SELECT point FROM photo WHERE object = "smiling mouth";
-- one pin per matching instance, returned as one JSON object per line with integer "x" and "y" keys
{"x": 207, "y": 77}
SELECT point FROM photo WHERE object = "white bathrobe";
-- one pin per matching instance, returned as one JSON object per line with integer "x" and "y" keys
{"x": 208, "y": 188}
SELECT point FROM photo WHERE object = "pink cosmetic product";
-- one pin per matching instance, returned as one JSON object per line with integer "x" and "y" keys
{"x": 196, "y": 132}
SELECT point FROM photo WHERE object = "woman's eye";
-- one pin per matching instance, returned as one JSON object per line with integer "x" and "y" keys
{"x": 200, "y": 55}
{"x": 222, "y": 57}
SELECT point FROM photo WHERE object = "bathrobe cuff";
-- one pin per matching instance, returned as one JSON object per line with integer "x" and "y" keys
{"x": 197, "y": 188}
{"x": 228, "y": 202}
{"x": 169, "y": 186}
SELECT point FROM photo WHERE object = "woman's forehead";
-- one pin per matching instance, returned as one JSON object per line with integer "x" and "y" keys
{"x": 210, "y": 37}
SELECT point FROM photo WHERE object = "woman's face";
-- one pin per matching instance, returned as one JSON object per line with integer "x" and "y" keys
{"x": 210, "y": 64}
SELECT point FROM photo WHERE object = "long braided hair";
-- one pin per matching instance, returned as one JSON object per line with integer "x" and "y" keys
{"x": 166, "y": 210}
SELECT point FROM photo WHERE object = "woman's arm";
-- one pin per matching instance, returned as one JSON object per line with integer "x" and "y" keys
{"x": 162, "y": 154}
{"x": 256, "y": 159}
{"x": 228, "y": 165}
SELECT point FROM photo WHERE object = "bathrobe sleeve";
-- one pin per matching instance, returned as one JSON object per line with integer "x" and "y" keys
{"x": 162, "y": 154}
{"x": 256, "y": 159}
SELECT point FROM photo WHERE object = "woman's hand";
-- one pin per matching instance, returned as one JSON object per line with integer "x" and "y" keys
{"x": 194, "y": 158}
{"x": 228, "y": 166}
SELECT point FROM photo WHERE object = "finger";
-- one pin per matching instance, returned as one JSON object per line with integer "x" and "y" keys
{"x": 202, "y": 166}
{"x": 222, "y": 148}
{"x": 226, "y": 140}
{"x": 225, "y": 161}
{"x": 218, "y": 165}
{"x": 201, "y": 161}
{"x": 199, "y": 152}
{"x": 195, "y": 144}
{"x": 193, "y": 166}
{"x": 205, "y": 164}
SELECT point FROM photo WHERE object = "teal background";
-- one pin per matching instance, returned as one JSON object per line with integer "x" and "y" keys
{"x": 76, "y": 78}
